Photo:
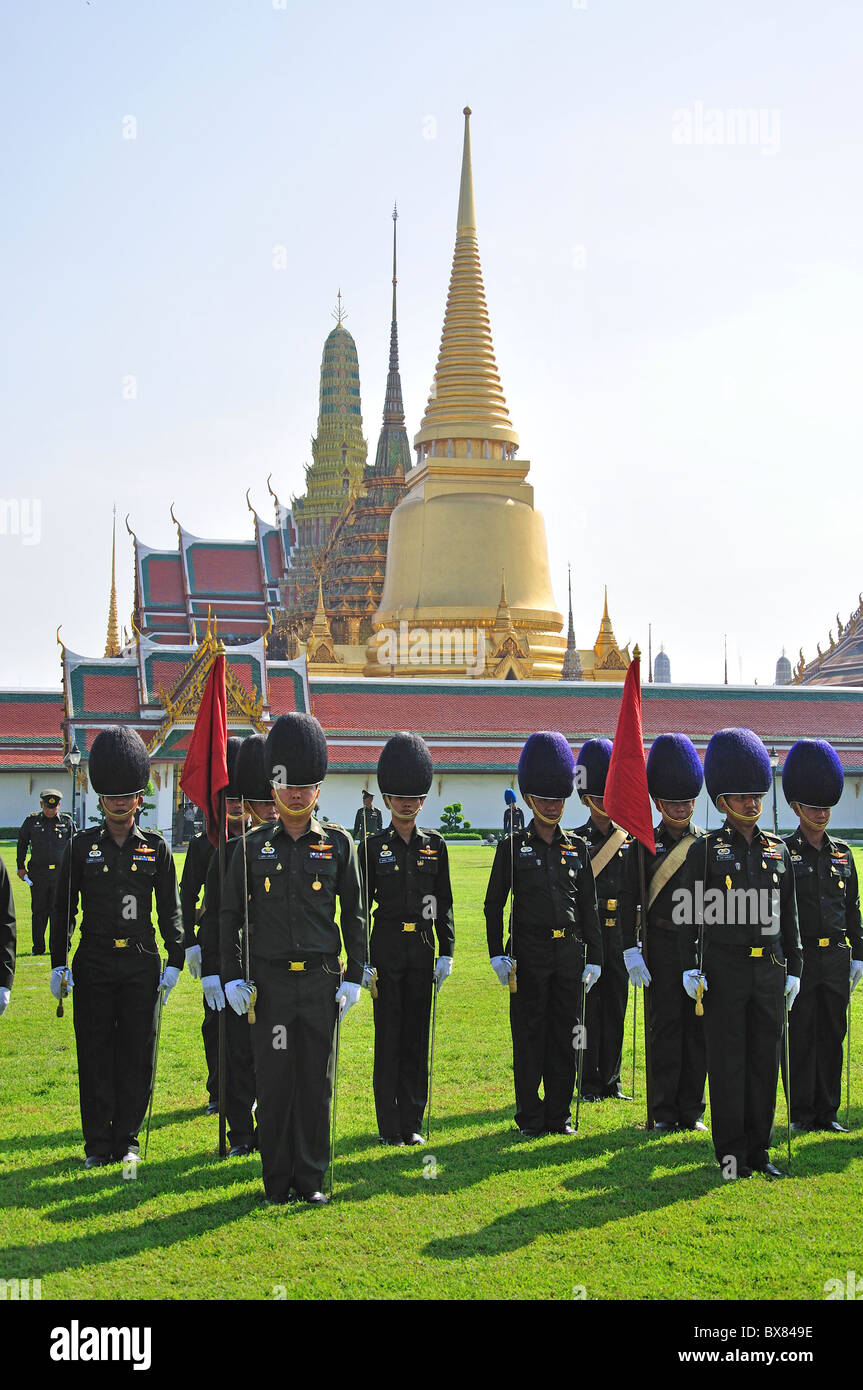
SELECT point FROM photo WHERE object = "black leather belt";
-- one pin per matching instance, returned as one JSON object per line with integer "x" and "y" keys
{"x": 298, "y": 965}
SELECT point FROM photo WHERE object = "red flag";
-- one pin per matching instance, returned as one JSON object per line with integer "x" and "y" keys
{"x": 205, "y": 771}
{"x": 626, "y": 798}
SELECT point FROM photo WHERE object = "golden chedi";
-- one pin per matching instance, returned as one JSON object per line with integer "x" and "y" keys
{"x": 467, "y": 521}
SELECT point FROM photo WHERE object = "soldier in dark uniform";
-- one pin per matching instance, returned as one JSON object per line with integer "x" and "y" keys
{"x": 45, "y": 834}
{"x": 117, "y": 869}
{"x": 513, "y": 819}
{"x": 198, "y": 858}
{"x": 368, "y": 820}
{"x": 739, "y": 940}
{"x": 7, "y": 938}
{"x": 554, "y": 937}
{"x": 609, "y": 849}
{"x": 250, "y": 779}
{"x": 406, "y": 872}
{"x": 828, "y": 906}
{"x": 678, "y": 1060}
{"x": 298, "y": 871}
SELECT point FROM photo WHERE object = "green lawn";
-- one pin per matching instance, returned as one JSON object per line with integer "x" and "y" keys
{"x": 480, "y": 1213}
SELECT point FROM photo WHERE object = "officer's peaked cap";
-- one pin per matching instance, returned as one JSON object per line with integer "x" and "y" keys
{"x": 233, "y": 749}
{"x": 52, "y": 791}
{"x": 297, "y": 751}
{"x": 251, "y": 775}
{"x": 119, "y": 762}
{"x": 592, "y": 765}
{"x": 674, "y": 768}
{"x": 812, "y": 773}
{"x": 736, "y": 761}
{"x": 546, "y": 767}
{"x": 405, "y": 766}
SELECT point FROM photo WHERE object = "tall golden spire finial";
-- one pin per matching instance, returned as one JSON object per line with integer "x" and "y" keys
{"x": 112, "y": 640}
{"x": 467, "y": 406}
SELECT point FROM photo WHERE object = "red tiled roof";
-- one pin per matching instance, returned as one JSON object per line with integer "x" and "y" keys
{"x": 164, "y": 580}
{"x": 110, "y": 692}
{"x": 28, "y": 716}
{"x": 282, "y": 693}
{"x": 223, "y": 569}
{"x": 25, "y": 757}
{"x": 483, "y": 711}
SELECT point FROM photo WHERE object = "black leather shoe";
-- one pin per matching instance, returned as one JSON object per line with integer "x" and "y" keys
{"x": 741, "y": 1172}
{"x": 770, "y": 1170}
{"x": 212, "y": 1108}
{"x": 590, "y": 1098}
{"x": 412, "y": 1140}
{"x": 241, "y": 1151}
{"x": 393, "y": 1143}
{"x": 616, "y": 1095}
{"x": 314, "y": 1199}
{"x": 697, "y": 1124}
{"x": 280, "y": 1201}
{"x": 531, "y": 1133}
{"x": 832, "y": 1127}
{"x": 96, "y": 1160}
{"x": 798, "y": 1128}
{"x": 662, "y": 1128}
{"x": 561, "y": 1129}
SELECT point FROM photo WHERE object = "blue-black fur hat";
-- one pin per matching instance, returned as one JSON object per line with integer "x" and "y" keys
{"x": 297, "y": 751}
{"x": 251, "y": 774}
{"x": 546, "y": 767}
{"x": 119, "y": 763}
{"x": 674, "y": 768}
{"x": 405, "y": 766}
{"x": 736, "y": 762}
{"x": 812, "y": 774}
{"x": 592, "y": 767}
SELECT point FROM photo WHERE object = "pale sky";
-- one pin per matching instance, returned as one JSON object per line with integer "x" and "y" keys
{"x": 675, "y": 288}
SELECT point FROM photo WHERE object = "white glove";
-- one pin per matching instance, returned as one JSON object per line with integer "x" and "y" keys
{"x": 170, "y": 976}
{"x": 56, "y": 977}
{"x": 370, "y": 975}
{"x": 4, "y": 998}
{"x": 213, "y": 992}
{"x": 239, "y": 995}
{"x": 346, "y": 996}
{"x": 856, "y": 973}
{"x": 442, "y": 971}
{"x": 193, "y": 961}
{"x": 690, "y": 982}
{"x": 502, "y": 966}
{"x": 638, "y": 972}
{"x": 792, "y": 989}
{"x": 590, "y": 976}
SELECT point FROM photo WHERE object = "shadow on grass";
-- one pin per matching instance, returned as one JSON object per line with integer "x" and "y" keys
{"x": 13, "y": 1144}
{"x": 621, "y": 1184}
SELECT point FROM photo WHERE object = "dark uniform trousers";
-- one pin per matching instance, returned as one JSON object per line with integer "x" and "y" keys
{"x": 294, "y": 1039}
{"x": 114, "y": 1007}
{"x": 544, "y": 1014}
{"x": 745, "y": 965}
{"x": 198, "y": 858}
{"x": 828, "y": 905}
{"x": 744, "y": 1009}
{"x": 816, "y": 1033}
{"x": 405, "y": 964}
{"x": 678, "y": 1054}
{"x": 239, "y": 1056}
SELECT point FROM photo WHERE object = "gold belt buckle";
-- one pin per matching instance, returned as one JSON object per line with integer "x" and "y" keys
{"x": 52, "y": 866}
{"x": 824, "y": 941}
{"x": 556, "y": 934}
{"x": 756, "y": 950}
{"x": 409, "y": 926}
{"x": 297, "y": 964}
{"x": 121, "y": 941}
{"x": 611, "y": 904}
{"x": 610, "y": 921}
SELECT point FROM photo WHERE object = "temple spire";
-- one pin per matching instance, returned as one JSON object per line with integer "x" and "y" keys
{"x": 394, "y": 410}
{"x": 112, "y": 641}
{"x": 572, "y": 670}
{"x": 467, "y": 405}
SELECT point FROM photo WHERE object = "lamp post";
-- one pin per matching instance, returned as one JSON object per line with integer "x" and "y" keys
{"x": 774, "y": 763}
{"x": 72, "y": 760}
